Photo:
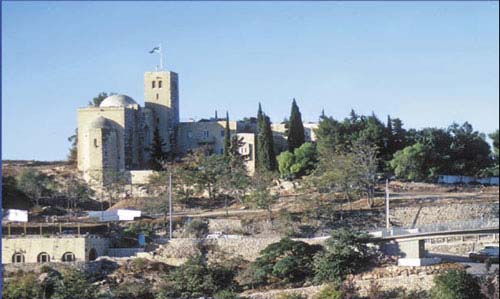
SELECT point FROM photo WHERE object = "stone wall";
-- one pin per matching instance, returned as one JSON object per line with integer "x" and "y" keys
{"x": 409, "y": 278}
{"x": 409, "y": 216}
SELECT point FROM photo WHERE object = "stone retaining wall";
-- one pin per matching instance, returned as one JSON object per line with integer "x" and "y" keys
{"x": 408, "y": 216}
{"x": 409, "y": 278}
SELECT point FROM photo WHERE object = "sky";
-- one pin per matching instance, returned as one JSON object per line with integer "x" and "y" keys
{"x": 428, "y": 63}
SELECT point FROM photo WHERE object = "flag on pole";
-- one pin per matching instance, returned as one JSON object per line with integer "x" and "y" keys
{"x": 155, "y": 50}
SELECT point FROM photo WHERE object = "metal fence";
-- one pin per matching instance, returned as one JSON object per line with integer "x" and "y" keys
{"x": 438, "y": 227}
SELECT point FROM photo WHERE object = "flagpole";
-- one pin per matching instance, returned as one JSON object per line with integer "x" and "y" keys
{"x": 161, "y": 59}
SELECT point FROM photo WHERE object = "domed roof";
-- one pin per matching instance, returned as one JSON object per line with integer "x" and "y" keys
{"x": 117, "y": 100}
{"x": 100, "y": 123}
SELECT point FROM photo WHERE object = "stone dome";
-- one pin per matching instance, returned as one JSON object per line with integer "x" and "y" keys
{"x": 117, "y": 100}
{"x": 100, "y": 123}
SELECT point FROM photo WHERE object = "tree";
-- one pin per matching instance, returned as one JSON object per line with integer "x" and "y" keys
{"x": 227, "y": 137}
{"x": 286, "y": 261}
{"x": 76, "y": 192}
{"x": 455, "y": 284}
{"x": 205, "y": 172}
{"x": 301, "y": 162}
{"x": 193, "y": 279}
{"x": 366, "y": 163}
{"x": 469, "y": 149}
{"x": 261, "y": 195}
{"x": 296, "y": 135}
{"x": 73, "y": 151}
{"x": 158, "y": 155}
{"x": 410, "y": 163}
{"x": 34, "y": 184}
{"x": 266, "y": 160}
{"x": 12, "y": 196}
{"x": 97, "y": 100}
{"x": 285, "y": 161}
{"x": 346, "y": 253}
{"x": 494, "y": 169}
{"x": 237, "y": 177}
{"x": 74, "y": 284}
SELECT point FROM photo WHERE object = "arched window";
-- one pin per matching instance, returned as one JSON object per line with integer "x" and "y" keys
{"x": 159, "y": 84}
{"x": 152, "y": 84}
{"x": 92, "y": 254}
{"x": 43, "y": 257}
{"x": 68, "y": 257}
{"x": 17, "y": 258}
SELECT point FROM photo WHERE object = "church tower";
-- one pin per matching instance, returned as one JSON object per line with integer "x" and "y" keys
{"x": 161, "y": 95}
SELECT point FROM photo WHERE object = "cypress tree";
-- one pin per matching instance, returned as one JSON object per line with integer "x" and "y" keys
{"x": 158, "y": 156}
{"x": 227, "y": 137}
{"x": 296, "y": 135}
{"x": 266, "y": 160}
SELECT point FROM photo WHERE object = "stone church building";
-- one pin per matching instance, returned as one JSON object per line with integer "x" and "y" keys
{"x": 114, "y": 138}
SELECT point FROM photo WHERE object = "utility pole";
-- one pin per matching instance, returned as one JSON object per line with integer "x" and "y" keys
{"x": 170, "y": 202}
{"x": 387, "y": 223}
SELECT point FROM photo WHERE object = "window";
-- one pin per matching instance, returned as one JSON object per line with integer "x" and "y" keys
{"x": 205, "y": 134}
{"x": 190, "y": 134}
{"x": 152, "y": 84}
{"x": 159, "y": 84}
{"x": 95, "y": 143}
{"x": 157, "y": 96}
{"x": 68, "y": 257}
{"x": 43, "y": 257}
{"x": 18, "y": 258}
{"x": 222, "y": 133}
{"x": 221, "y": 151}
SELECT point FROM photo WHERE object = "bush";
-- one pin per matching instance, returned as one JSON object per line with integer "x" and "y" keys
{"x": 286, "y": 261}
{"x": 330, "y": 292}
{"x": 195, "y": 279}
{"x": 23, "y": 287}
{"x": 346, "y": 253}
{"x": 196, "y": 228}
{"x": 73, "y": 285}
{"x": 455, "y": 284}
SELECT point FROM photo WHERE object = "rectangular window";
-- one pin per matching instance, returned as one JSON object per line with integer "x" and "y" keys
{"x": 205, "y": 134}
{"x": 222, "y": 133}
{"x": 152, "y": 84}
{"x": 159, "y": 84}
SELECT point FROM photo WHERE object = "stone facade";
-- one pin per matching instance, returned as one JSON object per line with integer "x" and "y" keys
{"x": 39, "y": 249}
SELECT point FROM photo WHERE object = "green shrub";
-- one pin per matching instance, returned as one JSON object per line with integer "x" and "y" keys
{"x": 329, "y": 292}
{"x": 195, "y": 279}
{"x": 74, "y": 285}
{"x": 22, "y": 287}
{"x": 455, "y": 284}
{"x": 346, "y": 253}
{"x": 286, "y": 261}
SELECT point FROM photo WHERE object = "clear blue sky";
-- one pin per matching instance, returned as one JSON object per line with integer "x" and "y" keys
{"x": 429, "y": 63}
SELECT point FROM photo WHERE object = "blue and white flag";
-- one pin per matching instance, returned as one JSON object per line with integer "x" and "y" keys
{"x": 155, "y": 50}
